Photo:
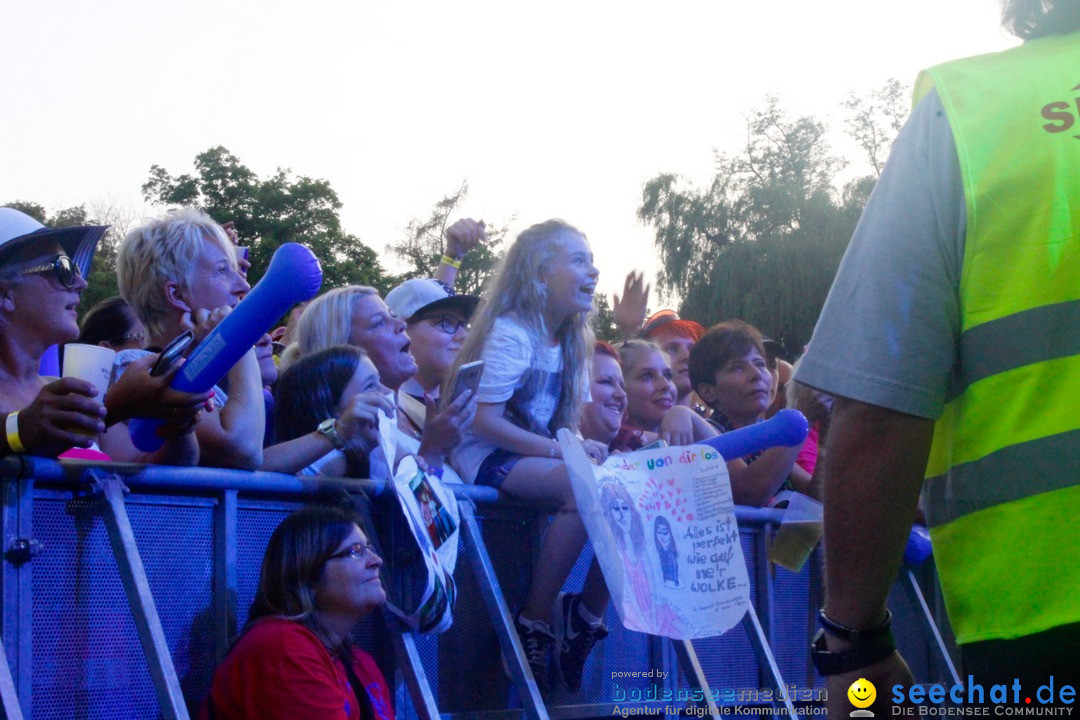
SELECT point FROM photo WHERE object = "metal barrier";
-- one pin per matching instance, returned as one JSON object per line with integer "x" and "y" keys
{"x": 121, "y": 606}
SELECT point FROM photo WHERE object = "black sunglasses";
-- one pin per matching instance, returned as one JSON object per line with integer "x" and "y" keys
{"x": 447, "y": 323}
{"x": 65, "y": 268}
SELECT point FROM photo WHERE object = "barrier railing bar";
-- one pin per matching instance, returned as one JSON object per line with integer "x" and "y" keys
{"x": 9, "y": 699}
{"x": 915, "y": 594}
{"x": 18, "y": 525}
{"x": 695, "y": 674}
{"x": 765, "y": 658}
{"x": 69, "y": 473}
{"x": 500, "y": 615}
{"x": 141, "y": 600}
{"x": 412, "y": 670}
{"x": 226, "y": 573}
{"x": 763, "y": 572}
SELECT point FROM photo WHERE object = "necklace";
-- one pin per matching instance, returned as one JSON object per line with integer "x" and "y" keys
{"x": 411, "y": 427}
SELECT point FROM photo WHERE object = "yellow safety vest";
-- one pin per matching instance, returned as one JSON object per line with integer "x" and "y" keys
{"x": 1003, "y": 477}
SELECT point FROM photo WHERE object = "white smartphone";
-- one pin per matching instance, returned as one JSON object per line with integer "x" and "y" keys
{"x": 468, "y": 378}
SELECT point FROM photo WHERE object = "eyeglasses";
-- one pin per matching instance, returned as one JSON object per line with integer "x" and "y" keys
{"x": 449, "y": 324}
{"x": 65, "y": 268}
{"x": 355, "y": 551}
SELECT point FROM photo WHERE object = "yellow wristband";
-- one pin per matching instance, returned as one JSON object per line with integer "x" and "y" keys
{"x": 13, "y": 439}
{"x": 447, "y": 260}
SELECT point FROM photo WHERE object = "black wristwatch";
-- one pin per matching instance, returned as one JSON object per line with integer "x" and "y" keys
{"x": 851, "y": 634}
{"x": 870, "y": 646}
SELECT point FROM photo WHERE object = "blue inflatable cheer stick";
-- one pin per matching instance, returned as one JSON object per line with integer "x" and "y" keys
{"x": 787, "y": 427}
{"x": 294, "y": 275}
{"x": 918, "y": 547}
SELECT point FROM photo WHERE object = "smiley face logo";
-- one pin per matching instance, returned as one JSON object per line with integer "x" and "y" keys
{"x": 862, "y": 693}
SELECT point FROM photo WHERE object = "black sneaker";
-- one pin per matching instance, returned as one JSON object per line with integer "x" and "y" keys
{"x": 576, "y": 639}
{"x": 536, "y": 639}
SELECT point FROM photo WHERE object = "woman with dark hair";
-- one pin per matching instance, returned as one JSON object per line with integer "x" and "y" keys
{"x": 112, "y": 324}
{"x": 327, "y": 407}
{"x": 731, "y": 375}
{"x": 294, "y": 658}
{"x": 666, "y": 550}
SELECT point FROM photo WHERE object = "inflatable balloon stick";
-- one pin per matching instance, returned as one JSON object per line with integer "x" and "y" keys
{"x": 787, "y": 428}
{"x": 294, "y": 275}
{"x": 918, "y": 547}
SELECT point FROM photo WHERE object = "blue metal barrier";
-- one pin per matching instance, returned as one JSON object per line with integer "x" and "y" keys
{"x": 75, "y": 648}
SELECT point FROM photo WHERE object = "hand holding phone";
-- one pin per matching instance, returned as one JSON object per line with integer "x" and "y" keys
{"x": 172, "y": 352}
{"x": 468, "y": 378}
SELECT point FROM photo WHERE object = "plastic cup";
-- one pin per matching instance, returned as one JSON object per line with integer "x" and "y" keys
{"x": 92, "y": 363}
{"x": 799, "y": 532}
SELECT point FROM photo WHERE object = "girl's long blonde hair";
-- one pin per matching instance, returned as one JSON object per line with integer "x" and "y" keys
{"x": 515, "y": 289}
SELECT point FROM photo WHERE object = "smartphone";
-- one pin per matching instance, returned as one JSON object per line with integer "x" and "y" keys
{"x": 468, "y": 378}
{"x": 171, "y": 353}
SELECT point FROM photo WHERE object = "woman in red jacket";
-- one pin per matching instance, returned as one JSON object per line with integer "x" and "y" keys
{"x": 320, "y": 576}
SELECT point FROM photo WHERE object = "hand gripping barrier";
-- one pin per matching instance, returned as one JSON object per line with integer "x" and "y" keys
{"x": 787, "y": 428}
{"x": 294, "y": 275}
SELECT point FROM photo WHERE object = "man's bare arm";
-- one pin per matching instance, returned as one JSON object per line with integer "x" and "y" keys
{"x": 874, "y": 470}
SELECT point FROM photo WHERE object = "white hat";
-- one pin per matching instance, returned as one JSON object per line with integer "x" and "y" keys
{"x": 17, "y": 230}
{"x": 426, "y": 295}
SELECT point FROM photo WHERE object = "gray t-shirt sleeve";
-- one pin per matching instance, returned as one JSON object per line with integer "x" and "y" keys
{"x": 889, "y": 329}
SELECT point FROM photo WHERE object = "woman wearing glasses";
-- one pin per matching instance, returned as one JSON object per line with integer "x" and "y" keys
{"x": 112, "y": 324}
{"x": 40, "y": 288}
{"x": 436, "y": 321}
{"x": 294, "y": 658}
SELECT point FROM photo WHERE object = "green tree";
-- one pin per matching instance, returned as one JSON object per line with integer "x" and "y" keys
{"x": 763, "y": 240}
{"x": 424, "y": 240}
{"x": 604, "y": 320}
{"x": 875, "y": 119}
{"x": 269, "y": 213}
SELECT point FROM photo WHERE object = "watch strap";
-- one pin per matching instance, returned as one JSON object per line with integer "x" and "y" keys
{"x": 851, "y": 634}
{"x": 856, "y": 657}
{"x": 328, "y": 428}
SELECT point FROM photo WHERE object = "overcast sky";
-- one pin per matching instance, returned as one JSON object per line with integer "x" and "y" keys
{"x": 546, "y": 108}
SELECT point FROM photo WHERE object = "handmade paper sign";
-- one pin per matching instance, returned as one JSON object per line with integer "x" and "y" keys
{"x": 662, "y": 524}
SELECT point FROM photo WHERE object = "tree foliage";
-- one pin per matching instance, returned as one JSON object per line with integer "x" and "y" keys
{"x": 762, "y": 241}
{"x": 424, "y": 241}
{"x": 604, "y": 319}
{"x": 874, "y": 120}
{"x": 269, "y": 213}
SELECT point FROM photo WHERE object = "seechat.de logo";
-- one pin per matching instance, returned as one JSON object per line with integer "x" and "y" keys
{"x": 862, "y": 694}
{"x": 973, "y": 698}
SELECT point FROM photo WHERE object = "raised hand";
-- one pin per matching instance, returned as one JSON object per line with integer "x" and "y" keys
{"x": 629, "y": 310}
{"x": 357, "y": 425}
{"x": 463, "y": 236}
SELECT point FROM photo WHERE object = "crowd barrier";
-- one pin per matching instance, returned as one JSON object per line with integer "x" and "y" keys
{"x": 123, "y": 584}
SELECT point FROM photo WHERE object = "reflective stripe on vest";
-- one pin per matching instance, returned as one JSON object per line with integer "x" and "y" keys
{"x": 1003, "y": 476}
